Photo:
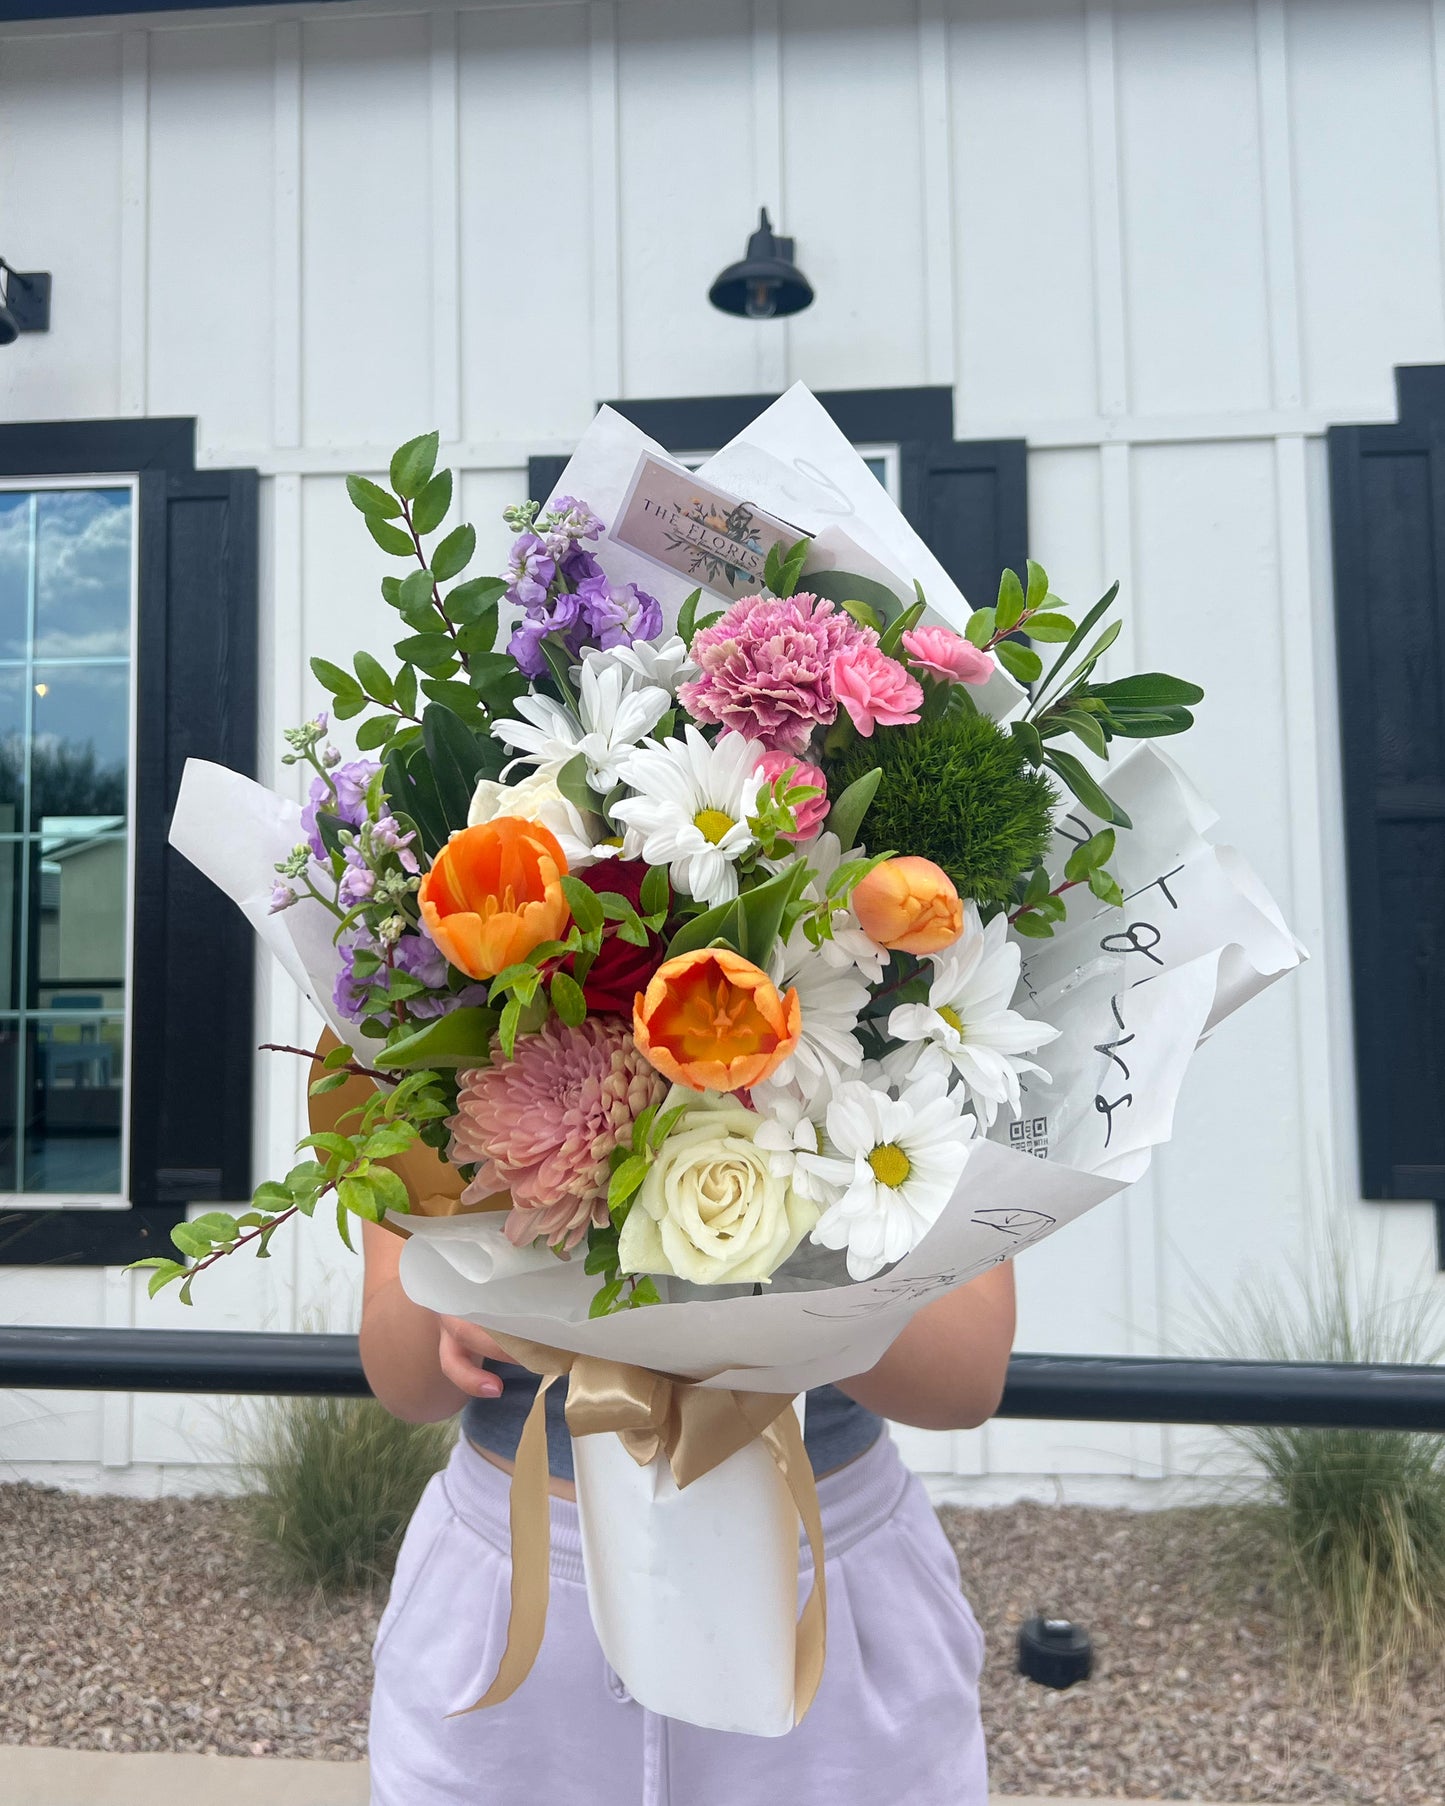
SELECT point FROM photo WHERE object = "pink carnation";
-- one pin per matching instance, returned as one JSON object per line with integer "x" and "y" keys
{"x": 767, "y": 668}
{"x": 542, "y": 1125}
{"x": 948, "y": 655}
{"x": 812, "y": 812}
{"x": 876, "y": 690}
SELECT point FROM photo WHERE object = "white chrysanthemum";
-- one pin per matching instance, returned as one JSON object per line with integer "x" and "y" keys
{"x": 831, "y": 999}
{"x": 849, "y": 947}
{"x": 537, "y": 798}
{"x": 664, "y": 662}
{"x": 967, "y": 1020}
{"x": 897, "y": 1163}
{"x": 691, "y": 808}
{"x": 791, "y": 1131}
{"x": 615, "y": 709}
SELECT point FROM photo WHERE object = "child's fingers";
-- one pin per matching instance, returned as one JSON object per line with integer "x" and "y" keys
{"x": 465, "y": 1370}
{"x": 474, "y": 1340}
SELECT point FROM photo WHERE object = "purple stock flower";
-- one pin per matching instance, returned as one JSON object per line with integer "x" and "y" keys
{"x": 413, "y": 954}
{"x": 282, "y": 897}
{"x": 351, "y": 783}
{"x": 533, "y": 569}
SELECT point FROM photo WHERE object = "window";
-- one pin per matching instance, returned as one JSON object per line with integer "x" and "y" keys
{"x": 127, "y": 645}
{"x": 67, "y": 585}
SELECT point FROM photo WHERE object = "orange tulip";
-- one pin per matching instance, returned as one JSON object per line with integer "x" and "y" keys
{"x": 910, "y": 905}
{"x": 494, "y": 893}
{"x": 713, "y": 1021}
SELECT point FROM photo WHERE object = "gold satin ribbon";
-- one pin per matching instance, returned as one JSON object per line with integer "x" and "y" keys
{"x": 435, "y": 1188}
{"x": 695, "y": 1428}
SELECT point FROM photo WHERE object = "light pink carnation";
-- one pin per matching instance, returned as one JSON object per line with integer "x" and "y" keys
{"x": 812, "y": 812}
{"x": 767, "y": 668}
{"x": 876, "y": 690}
{"x": 943, "y": 653}
{"x": 542, "y": 1125}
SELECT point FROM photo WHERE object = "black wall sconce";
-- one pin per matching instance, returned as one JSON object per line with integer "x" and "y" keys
{"x": 24, "y": 302}
{"x": 767, "y": 283}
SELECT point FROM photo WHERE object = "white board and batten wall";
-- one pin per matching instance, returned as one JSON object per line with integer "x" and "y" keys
{"x": 1167, "y": 243}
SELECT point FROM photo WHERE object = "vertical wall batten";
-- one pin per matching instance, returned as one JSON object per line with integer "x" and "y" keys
{"x": 1107, "y": 224}
{"x": 286, "y": 234}
{"x": 446, "y": 229}
{"x": 131, "y": 389}
{"x": 1278, "y": 189}
{"x": 770, "y": 343}
{"x": 607, "y": 371}
{"x": 940, "y": 249}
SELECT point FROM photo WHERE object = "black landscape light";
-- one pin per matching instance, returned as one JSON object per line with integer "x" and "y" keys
{"x": 767, "y": 283}
{"x": 24, "y": 302}
{"x": 1055, "y": 1652}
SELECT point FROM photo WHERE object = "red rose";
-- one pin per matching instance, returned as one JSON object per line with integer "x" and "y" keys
{"x": 621, "y": 969}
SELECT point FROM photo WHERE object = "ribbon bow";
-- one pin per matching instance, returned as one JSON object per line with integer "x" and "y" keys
{"x": 695, "y": 1428}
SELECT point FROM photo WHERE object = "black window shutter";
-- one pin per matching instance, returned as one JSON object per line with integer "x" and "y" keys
{"x": 192, "y": 1033}
{"x": 1387, "y": 492}
{"x": 543, "y": 476}
{"x": 968, "y": 501}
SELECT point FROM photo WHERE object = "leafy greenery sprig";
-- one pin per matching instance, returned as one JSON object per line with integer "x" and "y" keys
{"x": 628, "y": 1167}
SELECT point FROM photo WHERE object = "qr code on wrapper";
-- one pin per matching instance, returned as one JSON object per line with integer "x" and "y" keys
{"x": 1030, "y": 1135}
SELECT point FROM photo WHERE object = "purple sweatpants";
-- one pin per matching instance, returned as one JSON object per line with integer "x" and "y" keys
{"x": 895, "y": 1721}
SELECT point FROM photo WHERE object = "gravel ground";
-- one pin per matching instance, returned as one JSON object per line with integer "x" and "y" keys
{"x": 129, "y": 1624}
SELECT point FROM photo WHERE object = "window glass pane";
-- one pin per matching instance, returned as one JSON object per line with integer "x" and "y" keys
{"x": 16, "y": 520}
{"x": 65, "y": 734}
{"x": 74, "y": 1098}
{"x": 82, "y": 573}
{"x": 80, "y": 741}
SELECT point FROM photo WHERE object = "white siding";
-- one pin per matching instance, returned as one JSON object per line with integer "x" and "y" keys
{"x": 1167, "y": 243}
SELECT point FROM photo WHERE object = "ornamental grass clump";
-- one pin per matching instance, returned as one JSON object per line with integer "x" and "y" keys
{"x": 335, "y": 1482}
{"x": 958, "y": 791}
{"x": 1356, "y": 1518}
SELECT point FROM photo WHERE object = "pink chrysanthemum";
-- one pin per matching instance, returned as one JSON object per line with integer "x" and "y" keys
{"x": 542, "y": 1125}
{"x": 767, "y": 668}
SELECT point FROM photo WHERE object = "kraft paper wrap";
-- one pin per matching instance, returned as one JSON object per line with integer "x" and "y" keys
{"x": 435, "y": 1189}
{"x": 694, "y": 1429}
{"x": 653, "y": 1415}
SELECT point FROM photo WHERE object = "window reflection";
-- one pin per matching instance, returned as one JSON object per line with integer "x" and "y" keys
{"x": 65, "y": 730}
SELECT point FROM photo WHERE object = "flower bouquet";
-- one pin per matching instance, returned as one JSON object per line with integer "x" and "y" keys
{"x": 744, "y": 954}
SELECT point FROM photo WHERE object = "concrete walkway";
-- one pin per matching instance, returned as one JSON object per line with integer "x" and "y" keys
{"x": 46, "y": 1777}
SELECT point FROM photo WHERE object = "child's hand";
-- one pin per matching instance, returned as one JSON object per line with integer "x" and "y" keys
{"x": 464, "y": 1348}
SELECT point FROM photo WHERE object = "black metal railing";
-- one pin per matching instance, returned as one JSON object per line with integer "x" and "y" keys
{"x": 1089, "y": 1388}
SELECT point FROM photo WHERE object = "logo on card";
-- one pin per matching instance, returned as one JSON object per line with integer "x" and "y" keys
{"x": 706, "y": 536}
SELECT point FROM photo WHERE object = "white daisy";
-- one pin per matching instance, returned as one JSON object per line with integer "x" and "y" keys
{"x": 615, "y": 709}
{"x": 967, "y": 1022}
{"x": 897, "y": 1163}
{"x": 849, "y": 947}
{"x": 791, "y": 1133}
{"x": 831, "y": 999}
{"x": 663, "y": 662}
{"x": 691, "y": 808}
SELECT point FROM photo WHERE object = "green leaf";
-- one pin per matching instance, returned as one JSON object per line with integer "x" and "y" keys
{"x": 1106, "y": 888}
{"x": 359, "y": 1196}
{"x": 333, "y": 678}
{"x": 720, "y": 923}
{"x": 462, "y": 1037}
{"x": 1149, "y": 690}
{"x": 1037, "y": 887}
{"x": 413, "y": 463}
{"x": 568, "y": 1000}
{"x": 391, "y": 1139}
{"x": 644, "y": 1291}
{"x": 1038, "y": 585}
{"x": 791, "y": 567}
{"x": 1030, "y": 739}
{"x": 761, "y": 910}
{"x": 1086, "y": 728}
{"x": 845, "y": 818}
{"x": 478, "y": 636}
{"x": 1094, "y": 852}
{"x": 1084, "y": 787}
{"x": 656, "y": 893}
{"x": 687, "y": 618}
{"x": 374, "y": 732}
{"x": 417, "y": 592}
{"x": 454, "y": 553}
{"x": 980, "y": 627}
{"x": 1010, "y": 607}
{"x": 470, "y": 602}
{"x": 391, "y": 539}
{"x": 626, "y": 1180}
{"x": 340, "y": 1147}
{"x": 1049, "y": 628}
{"x": 559, "y": 664}
{"x": 498, "y": 681}
{"x": 371, "y": 498}
{"x": 663, "y": 1126}
{"x": 587, "y": 911}
{"x": 429, "y": 509}
{"x": 892, "y": 636}
{"x": 390, "y": 1190}
{"x": 429, "y": 651}
{"x": 1034, "y": 926}
{"x": 602, "y": 1304}
{"x": 374, "y": 679}
{"x": 509, "y": 1025}
{"x": 1146, "y": 724}
{"x": 1076, "y": 639}
{"x": 601, "y": 1253}
{"x": 572, "y": 782}
{"x": 457, "y": 759}
{"x": 862, "y": 614}
{"x": 844, "y": 587}
{"x": 1021, "y": 662}
{"x": 330, "y": 1081}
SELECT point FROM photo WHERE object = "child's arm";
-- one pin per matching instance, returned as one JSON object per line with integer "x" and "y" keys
{"x": 421, "y": 1366}
{"x": 946, "y": 1371}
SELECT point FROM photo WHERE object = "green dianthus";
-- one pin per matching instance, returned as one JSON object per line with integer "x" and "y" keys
{"x": 958, "y": 791}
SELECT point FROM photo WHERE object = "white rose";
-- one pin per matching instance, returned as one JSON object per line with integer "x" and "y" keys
{"x": 537, "y": 798}
{"x": 711, "y": 1209}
